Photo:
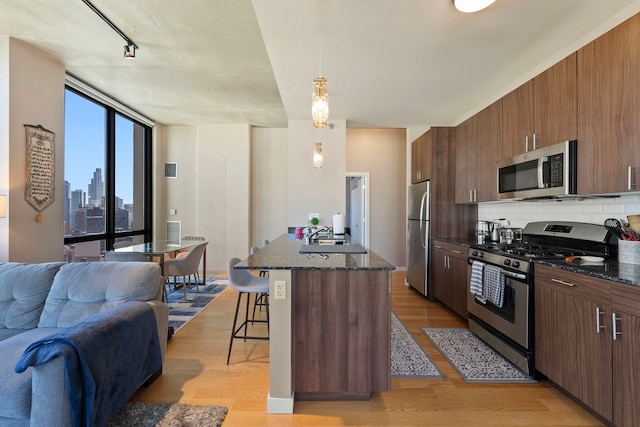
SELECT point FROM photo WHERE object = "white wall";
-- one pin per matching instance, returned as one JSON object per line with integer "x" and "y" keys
{"x": 594, "y": 210}
{"x": 381, "y": 152}
{"x": 31, "y": 92}
{"x": 211, "y": 194}
{"x": 315, "y": 190}
{"x": 268, "y": 184}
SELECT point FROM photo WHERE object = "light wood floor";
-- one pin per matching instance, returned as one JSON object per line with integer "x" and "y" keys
{"x": 195, "y": 372}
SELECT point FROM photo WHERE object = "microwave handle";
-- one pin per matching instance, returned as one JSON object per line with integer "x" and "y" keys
{"x": 543, "y": 172}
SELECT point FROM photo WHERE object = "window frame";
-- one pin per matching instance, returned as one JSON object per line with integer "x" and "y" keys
{"x": 111, "y": 110}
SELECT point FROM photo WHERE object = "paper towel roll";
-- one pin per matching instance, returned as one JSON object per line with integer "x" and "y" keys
{"x": 338, "y": 224}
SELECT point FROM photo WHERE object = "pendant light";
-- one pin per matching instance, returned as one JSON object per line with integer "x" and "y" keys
{"x": 320, "y": 98}
{"x": 317, "y": 155}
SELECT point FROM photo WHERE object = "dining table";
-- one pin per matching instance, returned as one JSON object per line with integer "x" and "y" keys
{"x": 162, "y": 248}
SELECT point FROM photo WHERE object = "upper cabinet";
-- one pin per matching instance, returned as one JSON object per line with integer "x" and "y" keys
{"x": 421, "y": 158}
{"x": 608, "y": 111}
{"x": 542, "y": 111}
{"x": 478, "y": 149}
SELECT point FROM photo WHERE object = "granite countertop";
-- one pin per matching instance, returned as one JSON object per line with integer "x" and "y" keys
{"x": 283, "y": 254}
{"x": 610, "y": 269}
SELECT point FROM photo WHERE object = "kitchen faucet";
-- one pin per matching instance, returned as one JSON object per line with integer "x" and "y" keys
{"x": 307, "y": 240}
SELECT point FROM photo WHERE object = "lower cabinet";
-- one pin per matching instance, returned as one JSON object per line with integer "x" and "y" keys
{"x": 588, "y": 341}
{"x": 625, "y": 306}
{"x": 448, "y": 267}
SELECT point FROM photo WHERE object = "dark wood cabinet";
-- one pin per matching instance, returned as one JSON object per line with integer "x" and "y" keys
{"x": 478, "y": 148}
{"x": 588, "y": 341}
{"x": 421, "y": 158}
{"x": 573, "y": 345}
{"x": 625, "y": 306}
{"x": 448, "y": 266}
{"x": 543, "y": 111}
{"x": 341, "y": 333}
{"x": 608, "y": 111}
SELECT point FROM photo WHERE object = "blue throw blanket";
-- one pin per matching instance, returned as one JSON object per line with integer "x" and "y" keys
{"x": 107, "y": 357}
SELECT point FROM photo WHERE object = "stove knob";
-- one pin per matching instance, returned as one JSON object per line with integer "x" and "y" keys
{"x": 507, "y": 262}
{"x": 474, "y": 253}
{"x": 515, "y": 264}
{"x": 480, "y": 254}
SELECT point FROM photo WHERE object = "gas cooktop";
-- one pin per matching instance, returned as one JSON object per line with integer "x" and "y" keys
{"x": 556, "y": 239}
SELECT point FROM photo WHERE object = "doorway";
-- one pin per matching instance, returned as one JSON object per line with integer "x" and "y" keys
{"x": 357, "y": 203}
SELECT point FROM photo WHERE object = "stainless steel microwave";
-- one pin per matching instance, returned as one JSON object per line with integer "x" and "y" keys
{"x": 545, "y": 172}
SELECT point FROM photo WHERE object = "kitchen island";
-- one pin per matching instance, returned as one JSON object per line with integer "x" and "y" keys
{"x": 330, "y": 325}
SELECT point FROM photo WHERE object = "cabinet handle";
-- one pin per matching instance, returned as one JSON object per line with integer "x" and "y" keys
{"x": 457, "y": 252}
{"x": 534, "y": 141}
{"x": 562, "y": 282}
{"x": 438, "y": 246}
{"x": 614, "y": 328}
{"x": 526, "y": 143}
{"x": 598, "y": 325}
{"x": 630, "y": 182}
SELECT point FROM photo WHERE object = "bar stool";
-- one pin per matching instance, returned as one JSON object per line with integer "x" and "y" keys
{"x": 246, "y": 283}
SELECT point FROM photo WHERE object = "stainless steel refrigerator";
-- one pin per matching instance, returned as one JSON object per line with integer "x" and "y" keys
{"x": 418, "y": 237}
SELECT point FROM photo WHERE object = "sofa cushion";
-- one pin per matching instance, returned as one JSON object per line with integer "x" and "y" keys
{"x": 23, "y": 291}
{"x": 82, "y": 289}
{"x": 15, "y": 388}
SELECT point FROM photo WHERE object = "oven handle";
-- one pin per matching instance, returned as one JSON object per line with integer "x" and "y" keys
{"x": 507, "y": 273}
{"x": 513, "y": 275}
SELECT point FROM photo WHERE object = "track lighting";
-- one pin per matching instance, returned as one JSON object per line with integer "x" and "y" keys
{"x": 130, "y": 48}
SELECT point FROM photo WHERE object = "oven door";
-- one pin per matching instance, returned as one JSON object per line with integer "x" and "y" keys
{"x": 513, "y": 318}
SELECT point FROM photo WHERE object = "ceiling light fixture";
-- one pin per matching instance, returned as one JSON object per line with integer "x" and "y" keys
{"x": 320, "y": 98}
{"x": 320, "y": 103}
{"x": 470, "y": 6}
{"x": 317, "y": 155}
{"x": 130, "y": 48}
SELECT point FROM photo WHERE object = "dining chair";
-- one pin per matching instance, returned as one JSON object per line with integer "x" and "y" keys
{"x": 184, "y": 253}
{"x": 246, "y": 284}
{"x": 185, "y": 267}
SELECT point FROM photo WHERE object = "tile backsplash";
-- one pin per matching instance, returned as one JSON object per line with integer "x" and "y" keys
{"x": 594, "y": 210}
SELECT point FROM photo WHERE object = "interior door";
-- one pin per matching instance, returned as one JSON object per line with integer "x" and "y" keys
{"x": 357, "y": 203}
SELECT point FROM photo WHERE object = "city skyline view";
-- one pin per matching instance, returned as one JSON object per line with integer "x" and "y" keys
{"x": 85, "y": 146}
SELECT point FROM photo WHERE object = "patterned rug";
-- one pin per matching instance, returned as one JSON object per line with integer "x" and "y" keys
{"x": 142, "y": 414}
{"x": 181, "y": 310}
{"x": 408, "y": 359}
{"x": 474, "y": 360}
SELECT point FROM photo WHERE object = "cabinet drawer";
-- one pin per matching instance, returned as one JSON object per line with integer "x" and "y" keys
{"x": 451, "y": 249}
{"x": 579, "y": 285}
{"x": 625, "y": 298}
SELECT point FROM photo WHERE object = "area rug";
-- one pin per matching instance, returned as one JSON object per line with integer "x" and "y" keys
{"x": 181, "y": 311}
{"x": 474, "y": 360}
{"x": 408, "y": 359}
{"x": 141, "y": 414}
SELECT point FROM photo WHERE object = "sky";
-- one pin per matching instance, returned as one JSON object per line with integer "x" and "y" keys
{"x": 84, "y": 146}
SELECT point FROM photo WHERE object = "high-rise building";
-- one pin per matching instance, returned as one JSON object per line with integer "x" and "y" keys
{"x": 77, "y": 202}
{"x": 96, "y": 189}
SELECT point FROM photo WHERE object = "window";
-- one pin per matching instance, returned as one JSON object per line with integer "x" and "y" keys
{"x": 107, "y": 178}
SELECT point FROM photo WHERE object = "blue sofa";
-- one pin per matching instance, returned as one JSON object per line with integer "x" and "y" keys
{"x": 77, "y": 340}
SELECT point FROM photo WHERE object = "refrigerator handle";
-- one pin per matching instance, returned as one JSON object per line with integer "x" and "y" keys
{"x": 423, "y": 235}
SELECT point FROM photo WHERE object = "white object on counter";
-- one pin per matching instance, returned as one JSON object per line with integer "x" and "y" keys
{"x": 338, "y": 224}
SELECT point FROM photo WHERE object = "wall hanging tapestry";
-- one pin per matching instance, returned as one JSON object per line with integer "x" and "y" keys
{"x": 40, "y": 168}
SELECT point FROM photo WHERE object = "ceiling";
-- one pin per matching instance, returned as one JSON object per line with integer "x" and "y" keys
{"x": 388, "y": 64}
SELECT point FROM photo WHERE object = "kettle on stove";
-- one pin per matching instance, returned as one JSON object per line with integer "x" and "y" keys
{"x": 495, "y": 228}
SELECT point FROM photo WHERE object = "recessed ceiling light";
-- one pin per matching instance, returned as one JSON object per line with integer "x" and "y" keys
{"x": 469, "y": 6}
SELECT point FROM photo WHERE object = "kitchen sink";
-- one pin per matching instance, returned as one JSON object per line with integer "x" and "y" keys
{"x": 332, "y": 249}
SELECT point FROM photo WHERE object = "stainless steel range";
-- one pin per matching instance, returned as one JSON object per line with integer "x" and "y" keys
{"x": 500, "y": 301}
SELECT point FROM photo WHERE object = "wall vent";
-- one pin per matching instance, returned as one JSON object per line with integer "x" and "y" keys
{"x": 174, "y": 231}
{"x": 170, "y": 170}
